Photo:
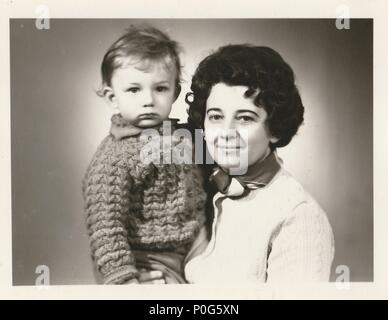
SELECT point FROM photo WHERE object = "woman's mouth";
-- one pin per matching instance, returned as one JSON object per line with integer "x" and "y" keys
{"x": 228, "y": 147}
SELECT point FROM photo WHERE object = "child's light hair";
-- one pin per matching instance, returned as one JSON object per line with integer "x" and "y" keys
{"x": 146, "y": 44}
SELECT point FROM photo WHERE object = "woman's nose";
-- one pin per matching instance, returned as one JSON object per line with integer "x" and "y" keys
{"x": 229, "y": 131}
{"x": 228, "y": 123}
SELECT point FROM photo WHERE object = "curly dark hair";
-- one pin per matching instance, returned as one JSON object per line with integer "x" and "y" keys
{"x": 260, "y": 69}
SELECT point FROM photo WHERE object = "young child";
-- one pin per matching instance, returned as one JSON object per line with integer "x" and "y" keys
{"x": 140, "y": 214}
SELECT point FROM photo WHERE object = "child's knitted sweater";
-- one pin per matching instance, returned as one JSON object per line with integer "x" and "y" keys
{"x": 134, "y": 205}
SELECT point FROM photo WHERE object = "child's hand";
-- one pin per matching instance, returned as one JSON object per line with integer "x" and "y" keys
{"x": 151, "y": 277}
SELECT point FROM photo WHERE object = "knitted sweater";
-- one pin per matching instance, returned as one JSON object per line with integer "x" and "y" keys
{"x": 133, "y": 205}
{"x": 277, "y": 233}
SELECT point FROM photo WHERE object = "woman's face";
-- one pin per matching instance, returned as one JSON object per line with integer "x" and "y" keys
{"x": 235, "y": 130}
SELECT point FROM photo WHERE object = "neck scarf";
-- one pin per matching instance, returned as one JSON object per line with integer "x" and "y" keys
{"x": 257, "y": 176}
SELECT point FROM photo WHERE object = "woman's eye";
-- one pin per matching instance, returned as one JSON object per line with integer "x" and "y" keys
{"x": 245, "y": 119}
{"x": 133, "y": 89}
{"x": 215, "y": 117}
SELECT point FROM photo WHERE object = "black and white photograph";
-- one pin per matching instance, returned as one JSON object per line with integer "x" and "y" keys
{"x": 214, "y": 151}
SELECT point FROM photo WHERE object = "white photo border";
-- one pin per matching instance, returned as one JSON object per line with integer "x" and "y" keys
{"x": 377, "y": 10}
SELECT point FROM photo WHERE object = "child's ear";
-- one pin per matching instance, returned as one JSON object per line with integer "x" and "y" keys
{"x": 110, "y": 97}
{"x": 178, "y": 89}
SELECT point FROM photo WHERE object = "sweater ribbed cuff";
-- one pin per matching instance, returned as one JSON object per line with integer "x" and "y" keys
{"x": 121, "y": 275}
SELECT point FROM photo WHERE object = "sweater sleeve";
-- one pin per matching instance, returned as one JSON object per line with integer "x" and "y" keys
{"x": 105, "y": 188}
{"x": 302, "y": 248}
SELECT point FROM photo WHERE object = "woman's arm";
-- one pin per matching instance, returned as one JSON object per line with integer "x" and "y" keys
{"x": 199, "y": 245}
{"x": 302, "y": 249}
{"x": 151, "y": 277}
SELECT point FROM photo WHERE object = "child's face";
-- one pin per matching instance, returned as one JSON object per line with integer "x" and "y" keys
{"x": 235, "y": 127}
{"x": 144, "y": 94}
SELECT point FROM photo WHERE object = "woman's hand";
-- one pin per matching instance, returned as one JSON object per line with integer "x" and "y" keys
{"x": 151, "y": 277}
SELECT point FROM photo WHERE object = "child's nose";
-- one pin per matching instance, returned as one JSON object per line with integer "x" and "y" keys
{"x": 148, "y": 99}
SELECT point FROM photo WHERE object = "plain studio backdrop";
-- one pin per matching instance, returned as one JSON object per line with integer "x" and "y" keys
{"x": 58, "y": 121}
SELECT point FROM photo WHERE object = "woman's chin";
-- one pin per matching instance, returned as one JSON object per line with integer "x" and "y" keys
{"x": 233, "y": 164}
{"x": 229, "y": 163}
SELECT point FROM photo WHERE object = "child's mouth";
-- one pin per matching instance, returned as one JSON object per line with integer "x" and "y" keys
{"x": 148, "y": 116}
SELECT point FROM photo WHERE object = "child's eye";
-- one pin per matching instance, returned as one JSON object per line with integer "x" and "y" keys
{"x": 133, "y": 89}
{"x": 162, "y": 88}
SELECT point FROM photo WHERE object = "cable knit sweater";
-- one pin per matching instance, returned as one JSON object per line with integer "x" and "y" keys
{"x": 131, "y": 205}
{"x": 277, "y": 233}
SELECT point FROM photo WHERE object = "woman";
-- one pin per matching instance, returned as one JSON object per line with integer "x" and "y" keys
{"x": 266, "y": 227}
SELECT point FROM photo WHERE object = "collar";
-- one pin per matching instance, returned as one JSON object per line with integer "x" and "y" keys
{"x": 122, "y": 128}
{"x": 261, "y": 172}
{"x": 257, "y": 176}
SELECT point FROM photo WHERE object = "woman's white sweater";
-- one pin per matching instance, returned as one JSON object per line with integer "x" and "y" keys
{"x": 277, "y": 233}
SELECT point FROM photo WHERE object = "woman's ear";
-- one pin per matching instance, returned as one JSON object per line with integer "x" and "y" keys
{"x": 178, "y": 89}
{"x": 110, "y": 97}
{"x": 272, "y": 138}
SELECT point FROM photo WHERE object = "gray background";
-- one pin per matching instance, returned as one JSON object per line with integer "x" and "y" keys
{"x": 57, "y": 122}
